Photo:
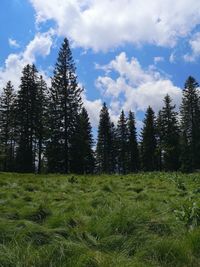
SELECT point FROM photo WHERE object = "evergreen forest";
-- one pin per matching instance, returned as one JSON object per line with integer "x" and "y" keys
{"x": 47, "y": 129}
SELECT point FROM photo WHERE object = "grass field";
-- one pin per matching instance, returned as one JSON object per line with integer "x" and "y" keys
{"x": 140, "y": 220}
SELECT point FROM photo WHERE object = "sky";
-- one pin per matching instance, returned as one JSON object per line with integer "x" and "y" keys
{"x": 128, "y": 53}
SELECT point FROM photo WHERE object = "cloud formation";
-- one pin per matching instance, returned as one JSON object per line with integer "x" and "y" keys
{"x": 133, "y": 87}
{"x": 105, "y": 24}
{"x": 13, "y": 43}
{"x": 194, "y": 44}
{"x": 93, "y": 108}
{"x": 39, "y": 46}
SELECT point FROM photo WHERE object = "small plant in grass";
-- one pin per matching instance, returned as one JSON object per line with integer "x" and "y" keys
{"x": 189, "y": 213}
{"x": 73, "y": 180}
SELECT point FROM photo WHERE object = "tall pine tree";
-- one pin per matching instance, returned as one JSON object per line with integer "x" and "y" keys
{"x": 7, "y": 127}
{"x": 148, "y": 142}
{"x": 113, "y": 160}
{"x": 104, "y": 149}
{"x": 122, "y": 144}
{"x": 26, "y": 119}
{"x": 190, "y": 126}
{"x": 169, "y": 136}
{"x": 159, "y": 136}
{"x": 65, "y": 105}
{"x": 133, "y": 151}
{"x": 81, "y": 152}
{"x": 41, "y": 121}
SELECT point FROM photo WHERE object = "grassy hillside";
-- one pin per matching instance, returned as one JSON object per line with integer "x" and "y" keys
{"x": 138, "y": 220}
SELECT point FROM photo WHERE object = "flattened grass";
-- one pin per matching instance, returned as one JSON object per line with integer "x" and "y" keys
{"x": 140, "y": 220}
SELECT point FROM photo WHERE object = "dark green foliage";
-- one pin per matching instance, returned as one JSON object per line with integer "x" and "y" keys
{"x": 7, "y": 128}
{"x": 27, "y": 120}
{"x": 148, "y": 142}
{"x": 122, "y": 144}
{"x": 159, "y": 140}
{"x": 113, "y": 160}
{"x": 104, "y": 150}
{"x": 82, "y": 155}
{"x": 64, "y": 107}
{"x": 41, "y": 122}
{"x": 46, "y": 130}
{"x": 133, "y": 152}
{"x": 31, "y": 121}
{"x": 169, "y": 136}
{"x": 190, "y": 126}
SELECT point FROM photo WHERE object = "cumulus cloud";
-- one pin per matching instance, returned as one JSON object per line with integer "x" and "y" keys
{"x": 195, "y": 48}
{"x": 105, "y": 24}
{"x": 39, "y": 46}
{"x": 93, "y": 107}
{"x": 133, "y": 87}
{"x": 13, "y": 43}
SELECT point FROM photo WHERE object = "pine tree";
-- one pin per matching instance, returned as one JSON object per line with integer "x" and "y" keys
{"x": 26, "y": 119}
{"x": 104, "y": 142}
{"x": 65, "y": 104}
{"x": 7, "y": 127}
{"x": 81, "y": 152}
{"x": 54, "y": 146}
{"x": 169, "y": 136}
{"x": 113, "y": 147}
{"x": 159, "y": 126}
{"x": 148, "y": 142}
{"x": 41, "y": 120}
{"x": 133, "y": 152}
{"x": 122, "y": 144}
{"x": 190, "y": 124}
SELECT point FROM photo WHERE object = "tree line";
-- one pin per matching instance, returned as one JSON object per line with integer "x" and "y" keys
{"x": 48, "y": 129}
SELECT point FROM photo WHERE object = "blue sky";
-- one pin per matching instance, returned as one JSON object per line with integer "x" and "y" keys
{"x": 129, "y": 56}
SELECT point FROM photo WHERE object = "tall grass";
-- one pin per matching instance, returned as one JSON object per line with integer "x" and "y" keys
{"x": 141, "y": 220}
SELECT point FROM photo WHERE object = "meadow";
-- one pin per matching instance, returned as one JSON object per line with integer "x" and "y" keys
{"x": 139, "y": 220}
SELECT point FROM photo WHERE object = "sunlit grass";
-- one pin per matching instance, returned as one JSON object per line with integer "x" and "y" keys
{"x": 140, "y": 220}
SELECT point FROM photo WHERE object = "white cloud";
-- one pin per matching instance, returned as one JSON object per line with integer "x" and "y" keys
{"x": 39, "y": 46}
{"x": 105, "y": 24}
{"x": 134, "y": 87}
{"x": 195, "y": 47}
{"x": 172, "y": 58}
{"x": 93, "y": 108}
{"x": 13, "y": 43}
{"x": 158, "y": 59}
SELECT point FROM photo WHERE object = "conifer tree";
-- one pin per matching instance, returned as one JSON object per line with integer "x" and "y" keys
{"x": 113, "y": 160}
{"x": 81, "y": 152}
{"x": 41, "y": 118}
{"x": 122, "y": 144}
{"x": 169, "y": 136}
{"x": 7, "y": 127}
{"x": 159, "y": 140}
{"x": 133, "y": 152}
{"x": 104, "y": 142}
{"x": 148, "y": 142}
{"x": 65, "y": 104}
{"x": 190, "y": 125}
{"x": 54, "y": 145}
{"x": 26, "y": 119}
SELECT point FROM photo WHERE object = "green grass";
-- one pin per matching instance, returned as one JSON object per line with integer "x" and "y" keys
{"x": 141, "y": 220}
